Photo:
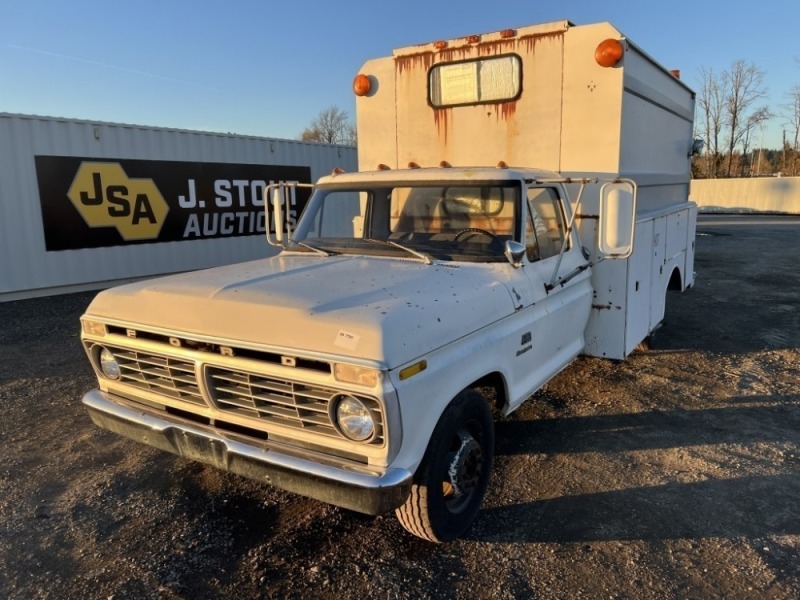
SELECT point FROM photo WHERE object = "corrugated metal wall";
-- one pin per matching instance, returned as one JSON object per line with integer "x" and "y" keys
{"x": 27, "y": 268}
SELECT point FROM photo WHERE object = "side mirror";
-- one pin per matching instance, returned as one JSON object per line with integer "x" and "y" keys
{"x": 617, "y": 219}
{"x": 277, "y": 213}
{"x": 278, "y": 195}
{"x": 514, "y": 253}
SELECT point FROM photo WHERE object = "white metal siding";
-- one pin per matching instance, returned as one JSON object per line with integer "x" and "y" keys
{"x": 27, "y": 269}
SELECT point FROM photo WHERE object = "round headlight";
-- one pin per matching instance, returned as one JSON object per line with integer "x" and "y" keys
{"x": 354, "y": 419}
{"x": 109, "y": 364}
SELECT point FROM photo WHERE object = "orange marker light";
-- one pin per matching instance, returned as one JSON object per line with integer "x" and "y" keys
{"x": 440, "y": 45}
{"x": 609, "y": 52}
{"x": 362, "y": 85}
{"x": 508, "y": 33}
{"x": 473, "y": 39}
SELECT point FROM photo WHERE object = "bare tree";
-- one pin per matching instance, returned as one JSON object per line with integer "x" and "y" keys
{"x": 711, "y": 102}
{"x": 792, "y": 116}
{"x": 331, "y": 126}
{"x": 754, "y": 120}
{"x": 744, "y": 83}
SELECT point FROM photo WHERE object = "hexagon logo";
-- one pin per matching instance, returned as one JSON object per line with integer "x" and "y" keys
{"x": 105, "y": 196}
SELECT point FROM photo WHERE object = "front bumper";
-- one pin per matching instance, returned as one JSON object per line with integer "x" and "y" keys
{"x": 262, "y": 461}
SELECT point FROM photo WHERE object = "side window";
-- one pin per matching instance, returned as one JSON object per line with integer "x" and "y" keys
{"x": 339, "y": 216}
{"x": 545, "y": 228}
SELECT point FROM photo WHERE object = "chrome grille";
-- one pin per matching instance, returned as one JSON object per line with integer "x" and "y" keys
{"x": 275, "y": 400}
{"x": 159, "y": 374}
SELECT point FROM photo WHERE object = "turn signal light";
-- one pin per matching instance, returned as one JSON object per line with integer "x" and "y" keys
{"x": 609, "y": 52}
{"x": 93, "y": 328}
{"x": 362, "y": 85}
{"x": 413, "y": 370}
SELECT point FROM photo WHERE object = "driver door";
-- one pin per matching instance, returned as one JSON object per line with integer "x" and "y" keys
{"x": 560, "y": 333}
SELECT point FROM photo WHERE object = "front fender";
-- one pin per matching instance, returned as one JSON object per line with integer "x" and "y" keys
{"x": 422, "y": 398}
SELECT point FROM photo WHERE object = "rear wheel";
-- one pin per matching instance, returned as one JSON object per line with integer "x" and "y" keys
{"x": 451, "y": 482}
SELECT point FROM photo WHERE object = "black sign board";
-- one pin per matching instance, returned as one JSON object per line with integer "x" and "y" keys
{"x": 91, "y": 203}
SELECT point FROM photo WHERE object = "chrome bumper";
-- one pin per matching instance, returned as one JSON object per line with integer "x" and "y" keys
{"x": 362, "y": 492}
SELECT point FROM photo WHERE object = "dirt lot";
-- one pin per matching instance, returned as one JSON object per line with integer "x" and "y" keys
{"x": 675, "y": 474}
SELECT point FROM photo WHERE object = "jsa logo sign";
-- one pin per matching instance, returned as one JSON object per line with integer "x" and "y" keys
{"x": 105, "y": 196}
{"x": 90, "y": 202}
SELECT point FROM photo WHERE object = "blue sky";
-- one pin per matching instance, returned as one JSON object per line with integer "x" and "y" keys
{"x": 268, "y": 69}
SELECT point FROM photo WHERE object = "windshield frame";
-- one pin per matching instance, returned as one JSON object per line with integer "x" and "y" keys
{"x": 456, "y": 244}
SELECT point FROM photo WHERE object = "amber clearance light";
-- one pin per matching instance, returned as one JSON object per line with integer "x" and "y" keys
{"x": 609, "y": 52}
{"x": 361, "y": 85}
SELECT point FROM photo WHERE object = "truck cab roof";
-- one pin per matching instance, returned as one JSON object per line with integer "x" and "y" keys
{"x": 460, "y": 175}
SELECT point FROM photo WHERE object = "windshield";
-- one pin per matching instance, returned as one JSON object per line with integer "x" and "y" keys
{"x": 458, "y": 223}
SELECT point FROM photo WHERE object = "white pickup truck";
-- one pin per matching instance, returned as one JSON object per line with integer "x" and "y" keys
{"x": 351, "y": 367}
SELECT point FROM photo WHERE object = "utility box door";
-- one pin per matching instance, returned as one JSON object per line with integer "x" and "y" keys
{"x": 660, "y": 274}
{"x": 639, "y": 281}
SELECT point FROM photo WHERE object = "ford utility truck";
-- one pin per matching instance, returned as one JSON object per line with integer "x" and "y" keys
{"x": 522, "y": 200}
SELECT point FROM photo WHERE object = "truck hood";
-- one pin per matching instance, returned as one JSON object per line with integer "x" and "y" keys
{"x": 385, "y": 310}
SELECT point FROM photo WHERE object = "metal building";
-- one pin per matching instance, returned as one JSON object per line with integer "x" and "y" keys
{"x": 85, "y": 204}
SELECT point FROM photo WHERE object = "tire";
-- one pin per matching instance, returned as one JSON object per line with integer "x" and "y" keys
{"x": 451, "y": 481}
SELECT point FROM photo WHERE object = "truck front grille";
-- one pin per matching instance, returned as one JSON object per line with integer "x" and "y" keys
{"x": 264, "y": 400}
{"x": 160, "y": 374}
{"x": 282, "y": 402}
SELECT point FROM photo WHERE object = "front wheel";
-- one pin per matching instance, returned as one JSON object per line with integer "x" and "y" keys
{"x": 450, "y": 483}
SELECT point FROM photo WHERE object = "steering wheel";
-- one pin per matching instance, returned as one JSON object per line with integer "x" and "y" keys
{"x": 475, "y": 231}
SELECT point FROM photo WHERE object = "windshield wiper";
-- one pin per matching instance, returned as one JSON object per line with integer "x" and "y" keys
{"x": 420, "y": 255}
{"x": 319, "y": 251}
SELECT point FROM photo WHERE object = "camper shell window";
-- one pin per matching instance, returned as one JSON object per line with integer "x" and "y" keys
{"x": 478, "y": 81}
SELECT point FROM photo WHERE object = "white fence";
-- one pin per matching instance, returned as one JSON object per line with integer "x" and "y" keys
{"x": 762, "y": 194}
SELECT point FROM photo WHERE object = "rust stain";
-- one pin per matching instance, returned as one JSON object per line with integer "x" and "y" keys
{"x": 496, "y": 47}
{"x": 442, "y": 117}
{"x": 427, "y": 58}
{"x": 413, "y": 61}
{"x": 530, "y": 41}
{"x": 506, "y": 110}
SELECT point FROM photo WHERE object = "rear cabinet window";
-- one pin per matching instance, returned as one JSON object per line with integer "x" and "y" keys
{"x": 482, "y": 81}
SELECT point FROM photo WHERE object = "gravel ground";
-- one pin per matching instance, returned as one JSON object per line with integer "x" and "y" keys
{"x": 674, "y": 474}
